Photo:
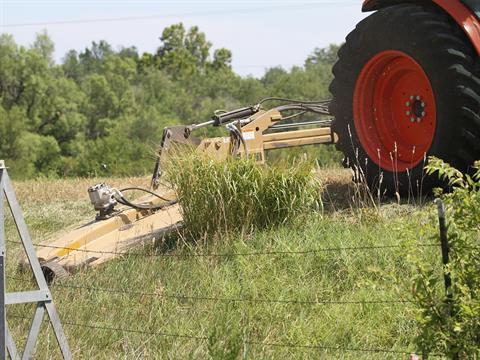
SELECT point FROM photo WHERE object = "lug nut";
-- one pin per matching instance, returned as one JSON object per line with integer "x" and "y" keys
{"x": 424, "y": 113}
{"x": 418, "y": 98}
{"x": 408, "y": 103}
{"x": 418, "y": 120}
{"x": 412, "y": 119}
{"x": 408, "y": 113}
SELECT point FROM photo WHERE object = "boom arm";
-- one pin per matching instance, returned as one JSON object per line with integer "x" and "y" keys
{"x": 252, "y": 133}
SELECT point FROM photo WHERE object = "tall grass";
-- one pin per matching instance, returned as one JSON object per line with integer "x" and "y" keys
{"x": 230, "y": 328}
{"x": 240, "y": 195}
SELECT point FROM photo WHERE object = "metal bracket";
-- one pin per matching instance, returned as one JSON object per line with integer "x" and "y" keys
{"x": 41, "y": 296}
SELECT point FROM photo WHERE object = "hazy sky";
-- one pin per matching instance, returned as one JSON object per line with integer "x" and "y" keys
{"x": 261, "y": 33}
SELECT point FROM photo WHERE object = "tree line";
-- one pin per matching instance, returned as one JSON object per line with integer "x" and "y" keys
{"x": 105, "y": 108}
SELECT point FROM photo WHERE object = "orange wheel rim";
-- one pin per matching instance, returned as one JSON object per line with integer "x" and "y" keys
{"x": 394, "y": 111}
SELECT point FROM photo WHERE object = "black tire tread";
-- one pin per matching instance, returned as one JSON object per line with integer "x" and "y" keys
{"x": 457, "y": 55}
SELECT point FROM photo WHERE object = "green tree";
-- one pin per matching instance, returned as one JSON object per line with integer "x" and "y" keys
{"x": 105, "y": 105}
{"x": 222, "y": 58}
{"x": 102, "y": 106}
{"x": 183, "y": 53}
{"x": 326, "y": 56}
{"x": 44, "y": 46}
{"x": 91, "y": 58}
{"x": 71, "y": 65}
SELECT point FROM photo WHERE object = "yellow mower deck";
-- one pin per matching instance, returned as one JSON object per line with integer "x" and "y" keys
{"x": 101, "y": 240}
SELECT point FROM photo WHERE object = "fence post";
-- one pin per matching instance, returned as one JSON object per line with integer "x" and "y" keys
{"x": 445, "y": 249}
{"x": 445, "y": 246}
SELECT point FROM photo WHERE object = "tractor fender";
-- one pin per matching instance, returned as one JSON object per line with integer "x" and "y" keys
{"x": 464, "y": 17}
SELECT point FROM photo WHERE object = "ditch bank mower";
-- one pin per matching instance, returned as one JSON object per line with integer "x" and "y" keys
{"x": 121, "y": 224}
{"x": 406, "y": 86}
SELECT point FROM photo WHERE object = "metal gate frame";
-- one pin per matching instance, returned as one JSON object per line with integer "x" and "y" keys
{"x": 42, "y": 297}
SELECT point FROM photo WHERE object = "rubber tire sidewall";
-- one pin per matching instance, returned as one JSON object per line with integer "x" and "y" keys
{"x": 395, "y": 29}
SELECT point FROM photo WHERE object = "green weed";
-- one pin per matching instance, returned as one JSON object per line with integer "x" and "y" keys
{"x": 221, "y": 197}
{"x": 449, "y": 319}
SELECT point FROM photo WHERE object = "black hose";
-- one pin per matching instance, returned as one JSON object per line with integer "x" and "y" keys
{"x": 293, "y": 101}
{"x": 144, "y": 190}
{"x": 238, "y": 136}
{"x": 126, "y": 202}
{"x": 319, "y": 109}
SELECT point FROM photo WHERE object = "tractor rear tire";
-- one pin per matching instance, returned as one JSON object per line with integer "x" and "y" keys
{"x": 406, "y": 88}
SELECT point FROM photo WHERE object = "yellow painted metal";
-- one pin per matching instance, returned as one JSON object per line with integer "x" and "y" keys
{"x": 218, "y": 148}
{"x": 297, "y": 138}
{"x": 99, "y": 241}
{"x": 258, "y": 141}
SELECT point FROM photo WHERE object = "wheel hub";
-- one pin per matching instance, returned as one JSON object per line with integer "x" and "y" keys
{"x": 394, "y": 111}
{"x": 416, "y": 109}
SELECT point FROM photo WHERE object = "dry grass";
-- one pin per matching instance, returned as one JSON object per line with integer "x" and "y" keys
{"x": 60, "y": 190}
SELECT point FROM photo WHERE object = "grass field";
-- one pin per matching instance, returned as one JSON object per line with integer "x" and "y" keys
{"x": 286, "y": 303}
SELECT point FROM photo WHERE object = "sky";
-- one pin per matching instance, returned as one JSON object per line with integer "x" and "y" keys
{"x": 261, "y": 34}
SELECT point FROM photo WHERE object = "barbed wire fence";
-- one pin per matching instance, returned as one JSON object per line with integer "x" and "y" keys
{"x": 204, "y": 338}
{"x": 115, "y": 292}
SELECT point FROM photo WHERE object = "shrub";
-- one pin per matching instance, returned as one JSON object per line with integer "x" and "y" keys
{"x": 240, "y": 195}
{"x": 452, "y": 327}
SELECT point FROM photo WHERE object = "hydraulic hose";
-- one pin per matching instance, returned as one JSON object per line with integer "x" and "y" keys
{"x": 124, "y": 201}
{"x": 133, "y": 188}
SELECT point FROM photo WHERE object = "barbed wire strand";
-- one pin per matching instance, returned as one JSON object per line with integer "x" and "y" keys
{"x": 204, "y": 338}
{"x": 117, "y": 291}
{"x": 232, "y": 254}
